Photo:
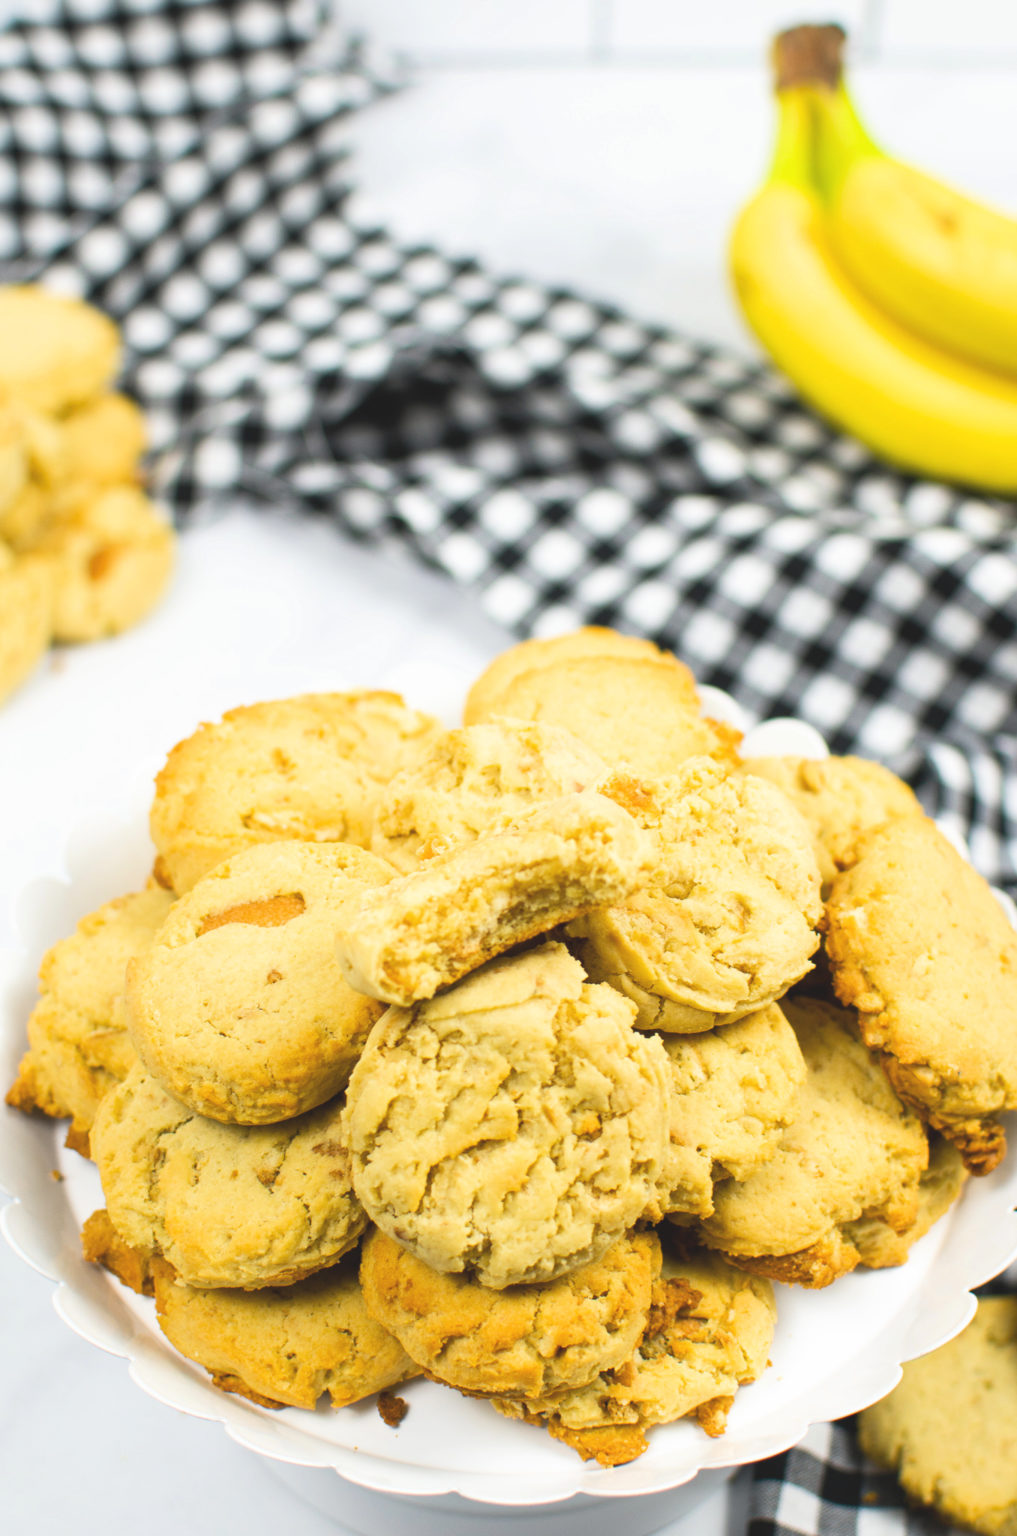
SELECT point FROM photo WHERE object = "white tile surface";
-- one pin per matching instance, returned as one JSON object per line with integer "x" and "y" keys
{"x": 450, "y": 30}
{"x": 738, "y": 27}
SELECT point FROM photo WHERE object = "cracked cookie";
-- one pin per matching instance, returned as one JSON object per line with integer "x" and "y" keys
{"x": 514, "y": 1126}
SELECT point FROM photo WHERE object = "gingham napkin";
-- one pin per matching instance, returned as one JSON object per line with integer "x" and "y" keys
{"x": 183, "y": 165}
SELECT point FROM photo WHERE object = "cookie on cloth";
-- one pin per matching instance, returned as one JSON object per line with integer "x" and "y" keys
{"x": 840, "y": 798}
{"x": 57, "y": 351}
{"x": 852, "y": 1150}
{"x": 78, "y": 1047}
{"x": 727, "y": 922}
{"x": 525, "y": 1340}
{"x": 733, "y": 1094}
{"x": 103, "y": 440}
{"x": 425, "y": 930}
{"x": 514, "y": 1126}
{"x": 26, "y": 617}
{"x": 919, "y": 945}
{"x": 112, "y": 556}
{"x": 285, "y": 1346}
{"x": 709, "y": 1333}
{"x": 636, "y": 714}
{"x": 226, "y": 1205}
{"x": 309, "y": 767}
{"x": 477, "y": 780}
{"x": 239, "y": 1006}
{"x": 949, "y": 1429}
{"x": 483, "y": 699}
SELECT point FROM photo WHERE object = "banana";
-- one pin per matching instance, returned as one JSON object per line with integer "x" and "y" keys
{"x": 923, "y": 409}
{"x": 934, "y": 259}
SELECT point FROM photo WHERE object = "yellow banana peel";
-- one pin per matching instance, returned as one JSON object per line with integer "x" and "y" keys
{"x": 924, "y": 409}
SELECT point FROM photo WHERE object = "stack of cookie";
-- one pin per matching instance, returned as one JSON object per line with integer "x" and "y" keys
{"x": 524, "y": 1055}
{"x": 83, "y": 552}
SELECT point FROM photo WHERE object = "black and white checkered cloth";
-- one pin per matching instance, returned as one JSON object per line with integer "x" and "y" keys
{"x": 183, "y": 165}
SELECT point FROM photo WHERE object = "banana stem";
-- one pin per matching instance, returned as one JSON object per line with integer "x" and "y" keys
{"x": 840, "y": 137}
{"x": 793, "y": 152}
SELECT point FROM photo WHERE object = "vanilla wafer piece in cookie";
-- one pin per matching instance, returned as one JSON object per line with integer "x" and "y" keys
{"x": 733, "y": 1094}
{"x": 238, "y": 1006}
{"x": 240, "y": 1206}
{"x": 477, "y": 780}
{"x": 514, "y": 1126}
{"x": 840, "y": 798}
{"x": 727, "y": 922}
{"x": 949, "y": 1428}
{"x": 78, "y": 1046}
{"x": 921, "y": 948}
{"x": 483, "y": 702}
{"x": 309, "y": 767}
{"x": 426, "y": 930}
{"x": 851, "y": 1151}
{"x": 709, "y": 1333}
{"x": 284, "y": 1346}
{"x": 525, "y": 1340}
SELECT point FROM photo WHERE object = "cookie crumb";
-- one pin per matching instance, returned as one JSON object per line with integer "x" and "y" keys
{"x": 56, "y": 1175}
{"x": 392, "y": 1408}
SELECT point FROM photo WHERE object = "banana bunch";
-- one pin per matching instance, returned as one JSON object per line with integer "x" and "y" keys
{"x": 888, "y": 299}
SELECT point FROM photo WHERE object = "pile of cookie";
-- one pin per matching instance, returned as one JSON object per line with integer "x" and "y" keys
{"x": 83, "y": 551}
{"x": 523, "y": 1055}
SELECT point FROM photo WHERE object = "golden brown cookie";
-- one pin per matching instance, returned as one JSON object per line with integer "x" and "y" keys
{"x": 515, "y": 1125}
{"x": 309, "y": 767}
{"x": 949, "y": 1430}
{"x": 78, "y": 1046}
{"x": 525, "y": 1340}
{"x": 635, "y": 714}
{"x": 727, "y": 922}
{"x": 852, "y": 1150}
{"x": 477, "y": 780}
{"x": 878, "y": 1245}
{"x": 840, "y": 798}
{"x": 103, "y": 441}
{"x": 239, "y": 1006}
{"x": 26, "y": 617}
{"x": 112, "y": 557}
{"x": 428, "y": 929}
{"x": 733, "y": 1094}
{"x": 284, "y": 1346}
{"x": 483, "y": 699}
{"x": 57, "y": 351}
{"x": 709, "y": 1332}
{"x": 920, "y": 946}
{"x": 226, "y": 1205}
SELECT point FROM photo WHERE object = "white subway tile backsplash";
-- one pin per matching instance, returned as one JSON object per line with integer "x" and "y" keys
{"x": 448, "y": 31}
{"x": 738, "y": 27}
{"x": 949, "y": 31}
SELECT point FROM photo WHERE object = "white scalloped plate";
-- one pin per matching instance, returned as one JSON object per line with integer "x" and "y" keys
{"x": 834, "y": 1351}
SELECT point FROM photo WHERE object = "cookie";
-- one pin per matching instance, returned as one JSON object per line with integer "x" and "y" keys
{"x": 477, "y": 780}
{"x": 514, "y": 1126}
{"x": 226, "y": 1205}
{"x": 878, "y": 1245}
{"x": 483, "y": 699}
{"x": 103, "y": 441}
{"x": 852, "y": 1150}
{"x": 920, "y": 946}
{"x": 840, "y": 798}
{"x": 428, "y": 929}
{"x": 309, "y": 767}
{"x": 733, "y": 1094}
{"x": 635, "y": 714}
{"x": 525, "y": 1340}
{"x": 57, "y": 351}
{"x": 78, "y": 1046}
{"x": 727, "y": 922}
{"x": 26, "y": 617}
{"x": 284, "y": 1347}
{"x": 238, "y": 1006}
{"x": 102, "y": 1244}
{"x": 112, "y": 557}
{"x": 709, "y": 1333}
{"x": 949, "y": 1430}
